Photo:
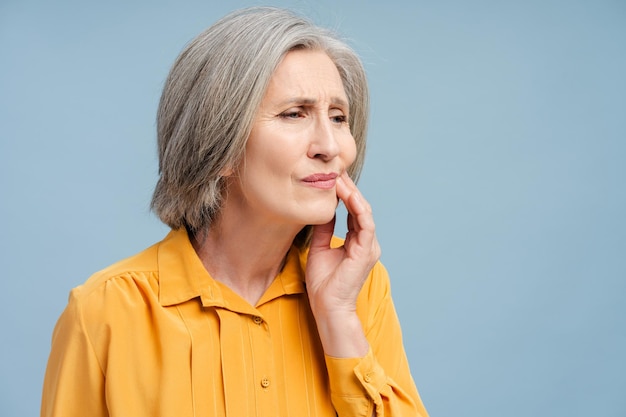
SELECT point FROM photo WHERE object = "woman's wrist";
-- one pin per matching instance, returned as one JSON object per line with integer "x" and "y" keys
{"x": 341, "y": 334}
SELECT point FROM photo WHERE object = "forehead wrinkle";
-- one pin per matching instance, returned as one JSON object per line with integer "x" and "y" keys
{"x": 293, "y": 83}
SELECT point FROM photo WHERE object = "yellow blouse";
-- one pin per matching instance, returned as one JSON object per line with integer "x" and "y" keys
{"x": 155, "y": 335}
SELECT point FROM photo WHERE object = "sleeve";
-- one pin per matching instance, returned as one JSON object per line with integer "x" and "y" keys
{"x": 380, "y": 383}
{"x": 74, "y": 381}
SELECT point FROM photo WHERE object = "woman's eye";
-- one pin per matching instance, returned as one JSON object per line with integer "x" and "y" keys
{"x": 340, "y": 118}
{"x": 291, "y": 114}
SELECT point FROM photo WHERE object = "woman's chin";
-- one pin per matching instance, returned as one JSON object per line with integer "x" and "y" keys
{"x": 322, "y": 217}
{"x": 319, "y": 212}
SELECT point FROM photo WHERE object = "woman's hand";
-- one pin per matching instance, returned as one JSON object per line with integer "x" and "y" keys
{"x": 334, "y": 276}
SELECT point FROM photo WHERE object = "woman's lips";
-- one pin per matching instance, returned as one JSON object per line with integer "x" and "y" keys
{"x": 321, "y": 181}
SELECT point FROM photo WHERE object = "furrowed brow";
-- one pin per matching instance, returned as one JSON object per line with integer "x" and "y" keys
{"x": 304, "y": 101}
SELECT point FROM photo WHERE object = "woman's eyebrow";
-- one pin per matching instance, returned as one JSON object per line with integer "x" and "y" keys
{"x": 305, "y": 101}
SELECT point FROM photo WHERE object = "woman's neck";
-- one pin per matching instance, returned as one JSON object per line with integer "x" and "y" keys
{"x": 244, "y": 255}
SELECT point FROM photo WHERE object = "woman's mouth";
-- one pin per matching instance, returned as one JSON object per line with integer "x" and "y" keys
{"x": 321, "y": 181}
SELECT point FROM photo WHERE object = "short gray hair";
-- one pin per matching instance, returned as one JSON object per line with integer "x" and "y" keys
{"x": 211, "y": 97}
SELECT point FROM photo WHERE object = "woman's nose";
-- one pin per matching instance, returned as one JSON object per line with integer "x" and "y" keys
{"x": 324, "y": 143}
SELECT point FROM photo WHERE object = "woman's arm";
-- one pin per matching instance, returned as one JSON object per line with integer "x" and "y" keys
{"x": 367, "y": 366}
{"x": 74, "y": 381}
{"x": 334, "y": 276}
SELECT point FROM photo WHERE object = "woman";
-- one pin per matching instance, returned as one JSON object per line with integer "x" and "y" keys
{"x": 249, "y": 306}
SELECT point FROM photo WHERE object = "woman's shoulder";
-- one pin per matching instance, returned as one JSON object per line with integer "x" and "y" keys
{"x": 112, "y": 304}
{"x": 139, "y": 270}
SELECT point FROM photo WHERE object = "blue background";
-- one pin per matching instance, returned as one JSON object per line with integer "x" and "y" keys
{"x": 496, "y": 170}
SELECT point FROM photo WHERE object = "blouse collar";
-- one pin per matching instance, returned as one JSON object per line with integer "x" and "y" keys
{"x": 182, "y": 277}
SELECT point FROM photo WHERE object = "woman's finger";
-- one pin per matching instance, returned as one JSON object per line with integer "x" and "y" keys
{"x": 360, "y": 219}
{"x": 352, "y": 198}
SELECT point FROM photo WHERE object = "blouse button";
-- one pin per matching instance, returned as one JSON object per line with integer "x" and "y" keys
{"x": 368, "y": 378}
{"x": 257, "y": 319}
{"x": 265, "y": 382}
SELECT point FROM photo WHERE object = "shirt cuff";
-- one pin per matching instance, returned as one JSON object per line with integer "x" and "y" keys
{"x": 356, "y": 380}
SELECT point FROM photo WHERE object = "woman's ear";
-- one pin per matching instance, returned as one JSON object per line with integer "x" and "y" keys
{"x": 227, "y": 172}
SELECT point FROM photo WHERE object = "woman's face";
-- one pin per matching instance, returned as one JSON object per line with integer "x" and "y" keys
{"x": 300, "y": 142}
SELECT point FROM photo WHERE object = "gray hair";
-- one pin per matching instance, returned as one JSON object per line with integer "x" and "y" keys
{"x": 211, "y": 98}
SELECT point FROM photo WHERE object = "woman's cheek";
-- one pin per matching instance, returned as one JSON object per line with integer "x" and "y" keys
{"x": 350, "y": 151}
